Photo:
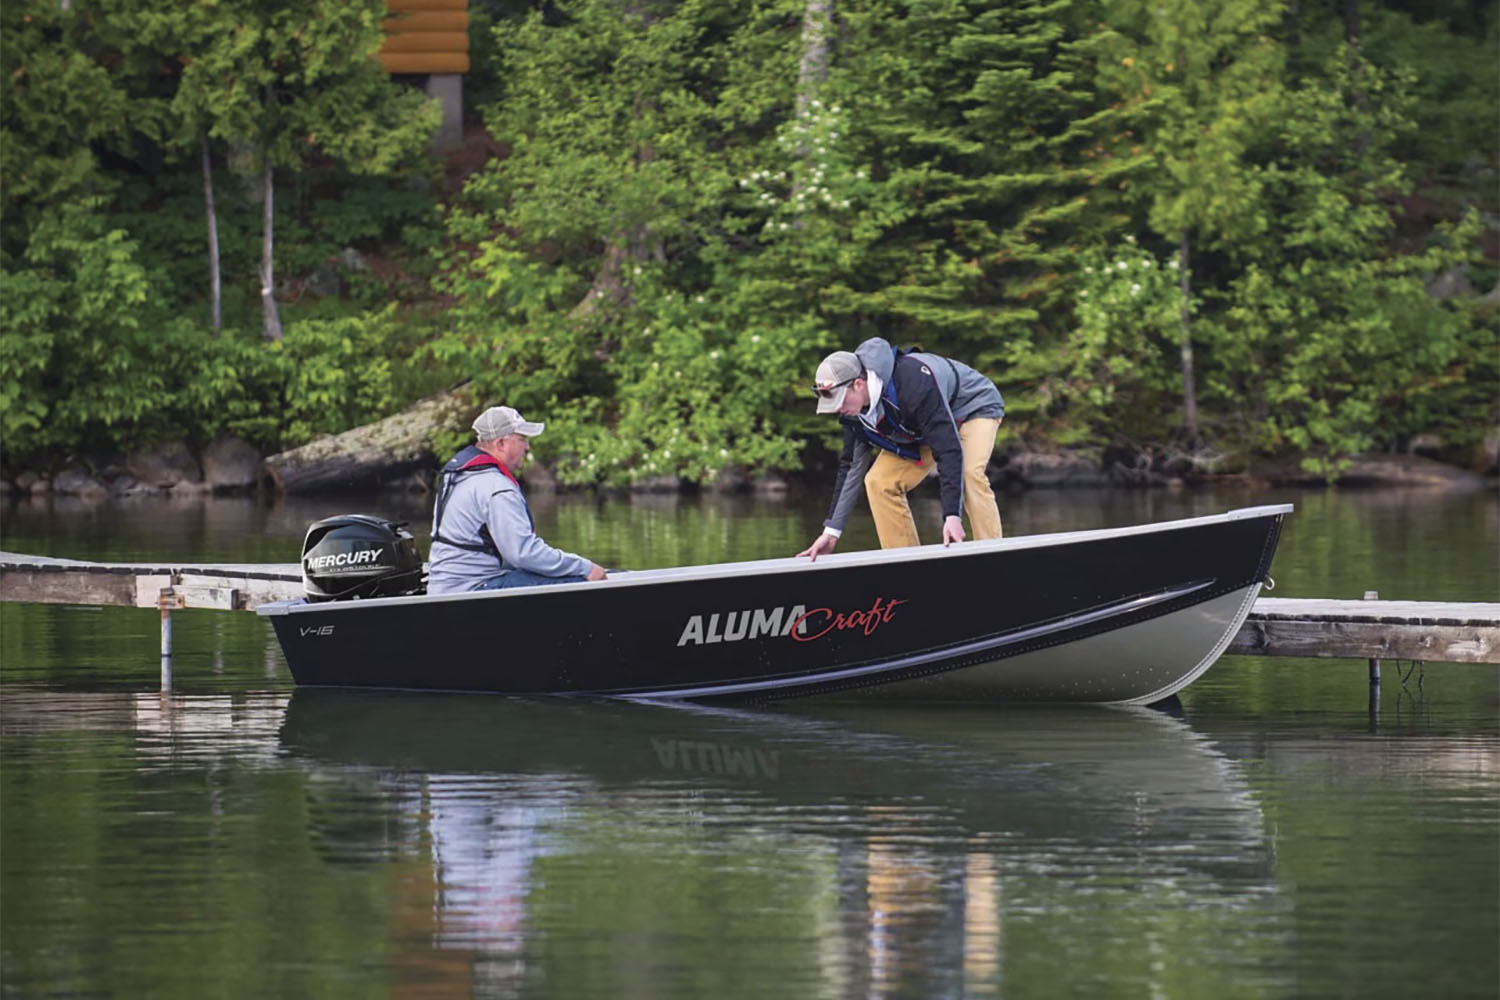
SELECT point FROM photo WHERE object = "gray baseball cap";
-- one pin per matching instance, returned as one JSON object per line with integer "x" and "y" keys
{"x": 832, "y": 380}
{"x": 503, "y": 421}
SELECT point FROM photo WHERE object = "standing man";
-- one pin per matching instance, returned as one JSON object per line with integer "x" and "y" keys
{"x": 902, "y": 411}
{"x": 482, "y": 533}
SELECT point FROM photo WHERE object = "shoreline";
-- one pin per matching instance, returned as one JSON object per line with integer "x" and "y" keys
{"x": 234, "y": 469}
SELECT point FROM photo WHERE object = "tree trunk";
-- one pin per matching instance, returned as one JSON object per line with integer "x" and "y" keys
{"x": 608, "y": 285}
{"x": 1189, "y": 391}
{"x": 813, "y": 70}
{"x": 270, "y": 315}
{"x": 611, "y": 285}
{"x": 216, "y": 296}
{"x": 388, "y": 451}
{"x": 1291, "y": 26}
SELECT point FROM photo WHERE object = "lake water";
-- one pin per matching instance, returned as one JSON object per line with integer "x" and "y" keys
{"x": 1282, "y": 834}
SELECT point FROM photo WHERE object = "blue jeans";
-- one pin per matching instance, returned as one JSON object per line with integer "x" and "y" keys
{"x": 525, "y": 578}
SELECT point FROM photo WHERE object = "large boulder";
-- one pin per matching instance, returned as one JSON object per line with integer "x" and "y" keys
{"x": 77, "y": 481}
{"x": 1407, "y": 470}
{"x": 1051, "y": 470}
{"x": 230, "y": 465}
{"x": 1378, "y": 470}
{"x": 389, "y": 450}
{"x": 165, "y": 466}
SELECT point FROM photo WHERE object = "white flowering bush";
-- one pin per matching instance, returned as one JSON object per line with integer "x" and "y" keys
{"x": 818, "y": 175}
{"x": 1125, "y": 344}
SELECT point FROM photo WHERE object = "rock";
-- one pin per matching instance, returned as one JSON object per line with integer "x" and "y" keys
{"x": 77, "y": 481}
{"x": 230, "y": 465}
{"x": 1052, "y": 470}
{"x": 1451, "y": 284}
{"x": 1379, "y": 470}
{"x": 124, "y": 486}
{"x": 1487, "y": 454}
{"x": 1426, "y": 445}
{"x": 106, "y": 465}
{"x": 25, "y": 481}
{"x": 40, "y": 487}
{"x": 325, "y": 282}
{"x": 387, "y": 450}
{"x": 656, "y": 484}
{"x": 731, "y": 479}
{"x": 165, "y": 466}
{"x": 1407, "y": 470}
{"x": 353, "y": 259}
{"x": 770, "y": 485}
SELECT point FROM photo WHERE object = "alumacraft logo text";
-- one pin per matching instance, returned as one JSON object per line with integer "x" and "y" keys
{"x": 343, "y": 559}
{"x": 797, "y": 621}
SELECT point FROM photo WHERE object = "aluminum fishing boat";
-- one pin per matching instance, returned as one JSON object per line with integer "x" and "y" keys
{"x": 1127, "y": 615}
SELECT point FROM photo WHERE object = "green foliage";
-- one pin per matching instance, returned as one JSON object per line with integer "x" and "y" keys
{"x": 294, "y": 80}
{"x": 684, "y": 221}
{"x": 56, "y": 105}
{"x": 324, "y": 376}
{"x": 661, "y": 365}
{"x": 88, "y": 362}
{"x": 1116, "y": 373}
{"x": 1329, "y": 338}
{"x": 1204, "y": 80}
{"x": 77, "y": 364}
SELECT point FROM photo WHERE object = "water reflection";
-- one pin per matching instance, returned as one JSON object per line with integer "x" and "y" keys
{"x": 894, "y": 843}
{"x": 421, "y": 845}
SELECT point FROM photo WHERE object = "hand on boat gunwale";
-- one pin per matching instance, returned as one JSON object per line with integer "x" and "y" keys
{"x": 596, "y": 572}
{"x": 824, "y": 543}
{"x": 953, "y": 530}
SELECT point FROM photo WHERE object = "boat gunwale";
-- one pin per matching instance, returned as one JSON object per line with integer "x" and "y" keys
{"x": 782, "y": 564}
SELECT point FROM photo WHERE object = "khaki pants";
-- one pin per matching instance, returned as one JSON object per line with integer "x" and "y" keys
{"x": 892, "y": 477}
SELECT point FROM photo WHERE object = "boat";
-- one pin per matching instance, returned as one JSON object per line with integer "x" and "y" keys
{"x": 1124, "y": 615}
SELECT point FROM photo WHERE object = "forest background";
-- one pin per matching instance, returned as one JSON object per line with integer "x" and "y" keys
{"x": 1208, "y": 232}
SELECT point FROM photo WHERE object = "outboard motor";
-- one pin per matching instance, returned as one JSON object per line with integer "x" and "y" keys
{"x": 357, "y": 555}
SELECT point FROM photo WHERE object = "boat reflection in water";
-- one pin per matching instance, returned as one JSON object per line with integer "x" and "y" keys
{"x": 890, "y": 851}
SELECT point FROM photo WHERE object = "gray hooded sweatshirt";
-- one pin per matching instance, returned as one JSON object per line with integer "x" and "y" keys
{"x": 490, "y": 498}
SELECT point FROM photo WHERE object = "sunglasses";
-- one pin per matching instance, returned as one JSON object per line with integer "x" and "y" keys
{"x": 827, "y": 391}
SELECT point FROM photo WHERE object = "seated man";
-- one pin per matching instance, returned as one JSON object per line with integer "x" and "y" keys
{"x": 482, "y": 534}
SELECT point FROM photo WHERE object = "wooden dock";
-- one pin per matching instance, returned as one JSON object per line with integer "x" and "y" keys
{"x": 1370, "y": 630}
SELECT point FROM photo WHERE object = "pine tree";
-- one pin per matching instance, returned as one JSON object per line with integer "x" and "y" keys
{"x": 1204, "y": 79}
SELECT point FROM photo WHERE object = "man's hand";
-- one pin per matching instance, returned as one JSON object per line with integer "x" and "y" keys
{"x": 953, "y": 530}
{"x": 596, "y": 572}
{"x": 824, "y": 543}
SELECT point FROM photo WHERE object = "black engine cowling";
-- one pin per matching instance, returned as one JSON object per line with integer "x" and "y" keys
{"x": 358, "y": 555}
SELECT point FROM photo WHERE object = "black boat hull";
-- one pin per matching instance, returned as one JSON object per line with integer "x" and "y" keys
{"x": 1127, "y": 615}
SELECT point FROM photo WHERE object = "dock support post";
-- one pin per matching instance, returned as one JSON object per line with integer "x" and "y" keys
{"x": 1374, "y": 595}
{"x": 165, "y": 603}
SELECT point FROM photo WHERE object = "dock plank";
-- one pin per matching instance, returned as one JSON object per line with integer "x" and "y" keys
{"x": 217, "y": 586}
